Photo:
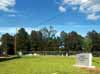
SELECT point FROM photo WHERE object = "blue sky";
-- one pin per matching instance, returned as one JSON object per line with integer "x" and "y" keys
{"x": 68, "y": 15}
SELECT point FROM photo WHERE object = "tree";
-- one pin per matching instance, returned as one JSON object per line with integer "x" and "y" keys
{"x": 53, "y": 44}
{"x": 63, "y": 35}
{"x": 48, "y": 32}
{"x": 95, "y": 38}
{"x": 22, "y": 40}
{"x": 73, "y": 42}
{"x": 7, "y": 43}
{"x": 87, "y": 44}
{"x": 48, "y": 37}
{"x": 63, "y": 39}
{"x": 36, "y": 40}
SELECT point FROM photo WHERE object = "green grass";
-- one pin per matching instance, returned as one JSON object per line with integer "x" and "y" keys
{"x": 44, "y": 65}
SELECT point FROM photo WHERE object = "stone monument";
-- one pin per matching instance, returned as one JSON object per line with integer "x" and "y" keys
{"x": 84, "y": 60}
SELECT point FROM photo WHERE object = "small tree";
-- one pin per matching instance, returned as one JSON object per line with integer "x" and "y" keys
{"x": 87, "y": 44}
{"x": 22, "y": 40}
{"x": 7, "y": 43}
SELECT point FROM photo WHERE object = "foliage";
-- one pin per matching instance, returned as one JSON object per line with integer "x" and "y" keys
{"x": 95, "y": 38}
{"x": 87, "y": 44}
{"x": 73, "y": 42}
{"x": 46, "y": 40}
{"x": 22, "y": 40}
{"x": 7, "y": 42}
{"x": 36, "y": 40}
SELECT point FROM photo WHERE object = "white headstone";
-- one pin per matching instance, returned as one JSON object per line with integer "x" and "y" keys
{"x": 29, "y": 54}
{"x": 19, "y": 53}
{"x": 84, "y": 60}
{"x": 35, "y": 54}
{"x": 0, "y": 42}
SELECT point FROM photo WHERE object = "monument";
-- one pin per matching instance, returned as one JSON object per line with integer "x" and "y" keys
{"x": 19, "y": 53}
{"x": 84, "y": 60}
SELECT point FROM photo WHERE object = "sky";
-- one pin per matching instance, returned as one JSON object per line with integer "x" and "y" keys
{"x": 64, "y": 15}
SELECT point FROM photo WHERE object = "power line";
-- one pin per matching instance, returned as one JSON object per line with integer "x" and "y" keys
{"x": 49, "y": 19}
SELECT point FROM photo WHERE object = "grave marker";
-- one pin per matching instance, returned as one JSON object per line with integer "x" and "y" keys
{"x": 84, "y": 60}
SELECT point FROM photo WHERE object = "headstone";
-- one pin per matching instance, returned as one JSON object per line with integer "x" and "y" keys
{"x": 4, "y": 53}
{"x": 35, "y": 54}
{"x": 19, "y": 53}
{"x": 66, "y": 54}
{"x": 84, "y": 60}
{"x": 29, "y": 54}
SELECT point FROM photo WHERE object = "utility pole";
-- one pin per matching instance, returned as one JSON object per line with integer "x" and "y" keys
{"x": 15, "y": 40}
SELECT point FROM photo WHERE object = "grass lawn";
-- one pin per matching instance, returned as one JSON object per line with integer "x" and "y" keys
{"x": 44, "y": 65}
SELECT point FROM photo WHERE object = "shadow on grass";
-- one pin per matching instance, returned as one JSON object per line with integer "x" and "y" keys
{"x": 8, "y": 58}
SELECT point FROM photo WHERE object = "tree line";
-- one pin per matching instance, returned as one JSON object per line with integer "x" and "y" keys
{"x": 46, "y": 40}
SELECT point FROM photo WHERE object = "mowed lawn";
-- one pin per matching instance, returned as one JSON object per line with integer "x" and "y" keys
{"x": 44, "y": 65}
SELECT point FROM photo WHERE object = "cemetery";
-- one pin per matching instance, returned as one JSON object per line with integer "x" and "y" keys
{"x": 23, "y": 54}
{"x": 49, "y": 36}
{"x": 46, "y": 65}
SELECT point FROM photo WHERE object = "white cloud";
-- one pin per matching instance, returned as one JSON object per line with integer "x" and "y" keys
{"x": 6, "y": 5}
{"x": 16, "y": 14}
{"x": 13, "y": 30}
{"x": 93, "y": 17}
{"x": 88, "y": 7}
{"x": 29, "y": 29}
{"x": 12, "y": 15}
{"x": 10, "y": 30}
{"x": 74, "y": 8}
{"x": 58, "y": 33}
{"x": 62, "y": 9}
{"x": 83, "y": 1}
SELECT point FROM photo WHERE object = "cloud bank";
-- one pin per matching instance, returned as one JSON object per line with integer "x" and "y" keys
{"x": 91, "y": 8}
{"x": 7, "y": 5}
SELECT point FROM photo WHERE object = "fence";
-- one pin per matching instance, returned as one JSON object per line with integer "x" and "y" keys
{"x": 62, "y": 53}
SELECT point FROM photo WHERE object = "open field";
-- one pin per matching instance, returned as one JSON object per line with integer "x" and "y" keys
{"x": 44, "y": 65}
